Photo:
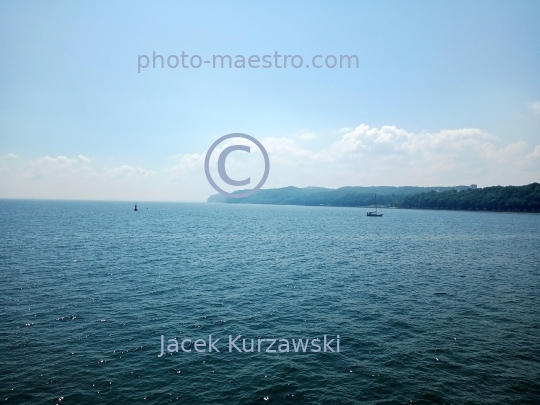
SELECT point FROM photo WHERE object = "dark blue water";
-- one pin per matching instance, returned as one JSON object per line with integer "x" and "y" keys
{"x": 430, "y": 306}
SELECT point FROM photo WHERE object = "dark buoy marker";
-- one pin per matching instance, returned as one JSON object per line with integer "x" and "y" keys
{"x": 135, "y": 207}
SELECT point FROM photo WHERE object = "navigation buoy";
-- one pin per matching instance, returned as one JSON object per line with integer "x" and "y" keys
{"x": 135, "y": 208}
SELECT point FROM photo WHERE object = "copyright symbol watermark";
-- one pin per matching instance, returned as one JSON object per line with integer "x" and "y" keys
{"x": 221, "y": 165}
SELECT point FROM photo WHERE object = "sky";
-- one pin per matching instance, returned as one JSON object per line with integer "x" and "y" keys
{"x": 445, "y": 93}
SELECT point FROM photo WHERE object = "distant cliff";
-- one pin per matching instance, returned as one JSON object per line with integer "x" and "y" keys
{"x": 510, "y": 198}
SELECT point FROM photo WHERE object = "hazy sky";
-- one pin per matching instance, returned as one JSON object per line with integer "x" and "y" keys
{"x": 446, "y": 93}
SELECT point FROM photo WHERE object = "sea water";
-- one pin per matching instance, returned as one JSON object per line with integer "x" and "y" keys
{"x": 429, "y": 306}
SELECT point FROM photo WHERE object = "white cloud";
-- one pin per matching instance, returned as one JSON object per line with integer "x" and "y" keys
{"x": 285, "y": 147}
{"x": 305, "y": 135}
{"x": 60, "y": 165}
{"x": 187, "y": 163}
{"x": 84, "y": 159}
{"x": 72, "y": 178}
{"x": 394, "y": 156}
{"x": 534, "y": 107}
{"x": 127, "y": 171}
{"x": 535, "y": 154}
{"x": 387, "y": 155}
{"x": 343, "y": 130}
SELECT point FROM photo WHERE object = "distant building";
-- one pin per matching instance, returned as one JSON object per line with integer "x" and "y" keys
{"x": 474, "y": 186}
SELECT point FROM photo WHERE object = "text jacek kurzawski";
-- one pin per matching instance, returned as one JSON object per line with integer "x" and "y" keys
{"x": 238, "y": 344}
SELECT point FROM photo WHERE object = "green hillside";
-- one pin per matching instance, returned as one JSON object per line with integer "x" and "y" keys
{"x": 510, "y": 198}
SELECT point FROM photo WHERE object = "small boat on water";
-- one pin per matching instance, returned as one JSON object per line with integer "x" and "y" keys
{"x": 376, "y": 212}
{"x": 135, "y": 208}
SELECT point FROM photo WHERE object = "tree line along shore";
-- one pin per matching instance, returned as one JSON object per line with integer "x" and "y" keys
{"x": 498, "y": 198}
